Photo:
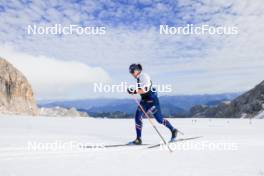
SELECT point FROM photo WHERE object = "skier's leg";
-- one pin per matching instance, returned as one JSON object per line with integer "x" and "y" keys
{"x": 156, "y": 111}
{"x": 138, "y": 122}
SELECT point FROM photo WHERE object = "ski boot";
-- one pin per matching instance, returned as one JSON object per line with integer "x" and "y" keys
{"x": 174, "y": 135}
{"x": 137, "y": 141}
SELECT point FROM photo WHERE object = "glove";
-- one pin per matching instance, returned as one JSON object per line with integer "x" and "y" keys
{"x": 131, "y": 91}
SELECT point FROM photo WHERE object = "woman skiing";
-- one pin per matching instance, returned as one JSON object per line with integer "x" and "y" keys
{"x": 149, "y": 102}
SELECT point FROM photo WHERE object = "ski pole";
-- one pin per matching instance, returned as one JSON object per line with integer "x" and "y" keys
{"x": 180, "y": 132}
{"x": 152, "y": 123}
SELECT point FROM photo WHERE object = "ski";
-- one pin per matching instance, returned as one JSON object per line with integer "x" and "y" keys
{"x": 96, "y": 146}
{"x": 111, "y": 146}
{"x": 177, "y": 140}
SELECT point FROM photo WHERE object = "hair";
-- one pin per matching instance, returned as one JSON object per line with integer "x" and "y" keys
{"x": 140, "y": 67}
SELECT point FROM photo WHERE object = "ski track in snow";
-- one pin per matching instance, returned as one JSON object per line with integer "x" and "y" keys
{"x": 16, "y": 159}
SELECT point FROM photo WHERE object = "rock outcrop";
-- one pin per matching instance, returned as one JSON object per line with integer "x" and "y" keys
{"x": 247, "y": 105}
{"x": 16, "y": 95}
{"x": 61, "y": 112}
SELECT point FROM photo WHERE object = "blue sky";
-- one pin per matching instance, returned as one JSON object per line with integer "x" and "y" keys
{"x": 66, "y": 66}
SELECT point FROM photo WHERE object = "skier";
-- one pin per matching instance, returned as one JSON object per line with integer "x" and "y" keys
{"x": 149, "y": 102}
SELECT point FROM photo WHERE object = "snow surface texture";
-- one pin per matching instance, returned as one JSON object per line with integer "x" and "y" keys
{"x": 18, "y": 157}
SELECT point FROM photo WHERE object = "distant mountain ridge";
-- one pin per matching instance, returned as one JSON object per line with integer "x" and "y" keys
{"x": 247, "y": 105}
{"x": 174, "y": 106}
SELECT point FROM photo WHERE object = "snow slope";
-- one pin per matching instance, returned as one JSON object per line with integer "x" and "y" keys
{"x": 19, "y": 158}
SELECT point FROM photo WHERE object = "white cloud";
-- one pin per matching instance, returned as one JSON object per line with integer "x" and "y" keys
{"x": 220, "y": 63}
{"x": 55, "y": 79}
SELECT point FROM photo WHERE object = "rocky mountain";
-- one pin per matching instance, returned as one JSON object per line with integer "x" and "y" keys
{"x": 247, "y": 105}
{"x": 16, "y": 95}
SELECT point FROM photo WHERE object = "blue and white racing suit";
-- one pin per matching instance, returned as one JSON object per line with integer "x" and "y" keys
{"x": 150, "y": 103}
